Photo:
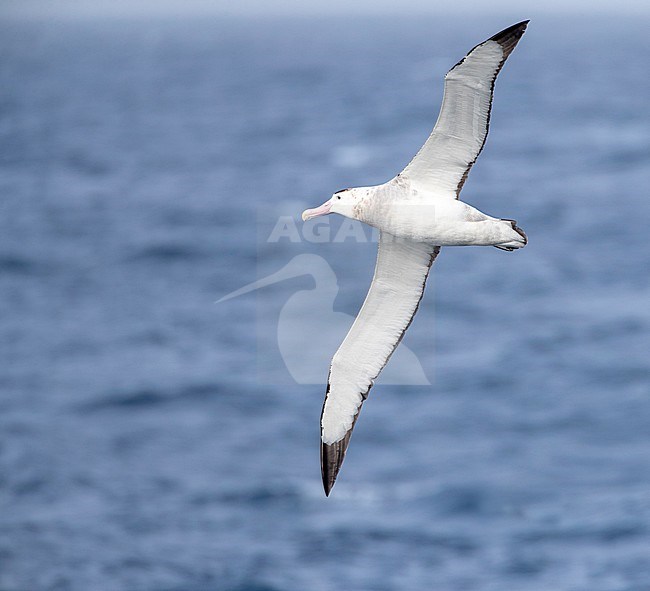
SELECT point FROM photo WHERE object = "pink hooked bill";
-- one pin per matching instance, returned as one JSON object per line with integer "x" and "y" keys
{"x": 312, "y": 213}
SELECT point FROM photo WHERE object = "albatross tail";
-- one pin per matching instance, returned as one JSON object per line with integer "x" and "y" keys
{"x": 519, "y": 238}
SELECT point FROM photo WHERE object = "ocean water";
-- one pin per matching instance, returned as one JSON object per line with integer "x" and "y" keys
{"x": 153, "y": 440}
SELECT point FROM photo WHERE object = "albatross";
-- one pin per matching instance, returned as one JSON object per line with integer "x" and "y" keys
{"x": 417, "y": 212}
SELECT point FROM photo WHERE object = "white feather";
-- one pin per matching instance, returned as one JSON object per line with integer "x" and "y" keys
{"x": 397, "y": 286}
{"x": 462, "y": 125}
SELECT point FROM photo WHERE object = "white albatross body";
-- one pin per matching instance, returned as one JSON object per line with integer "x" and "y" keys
{"x": 416, "y": 212}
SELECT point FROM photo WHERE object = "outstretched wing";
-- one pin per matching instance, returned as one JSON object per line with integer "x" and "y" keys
{"x": 443, "y": 163}
{"x": 395, "y": 293}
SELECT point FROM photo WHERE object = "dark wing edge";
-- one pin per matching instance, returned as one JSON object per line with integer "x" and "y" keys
{"x": 332, "y": 455}
{"x": 507, "y": 39}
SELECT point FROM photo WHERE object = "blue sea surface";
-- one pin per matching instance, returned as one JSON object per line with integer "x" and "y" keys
{"x": 154, "y": 440}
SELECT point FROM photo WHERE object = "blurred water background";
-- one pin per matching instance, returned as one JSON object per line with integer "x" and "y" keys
{"x": 152, "y": 440}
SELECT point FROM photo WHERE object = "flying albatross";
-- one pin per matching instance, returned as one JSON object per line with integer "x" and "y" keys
{"x": 416, "y": 213}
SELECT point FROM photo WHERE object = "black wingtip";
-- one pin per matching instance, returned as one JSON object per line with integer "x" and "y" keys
{"x": 332, "y": 457}
{"x": 509, "y": 37}
{"x": 329, "y": 474}
{"x": 514, "y": 30}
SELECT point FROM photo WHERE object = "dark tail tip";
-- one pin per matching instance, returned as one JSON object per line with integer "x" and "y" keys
{"x": 519, "y": 231}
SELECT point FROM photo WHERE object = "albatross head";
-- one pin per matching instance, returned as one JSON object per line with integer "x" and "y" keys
{"x": 342, "y": 202}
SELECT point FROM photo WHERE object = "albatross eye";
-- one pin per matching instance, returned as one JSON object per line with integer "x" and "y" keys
{"x": 339, "y": 197}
